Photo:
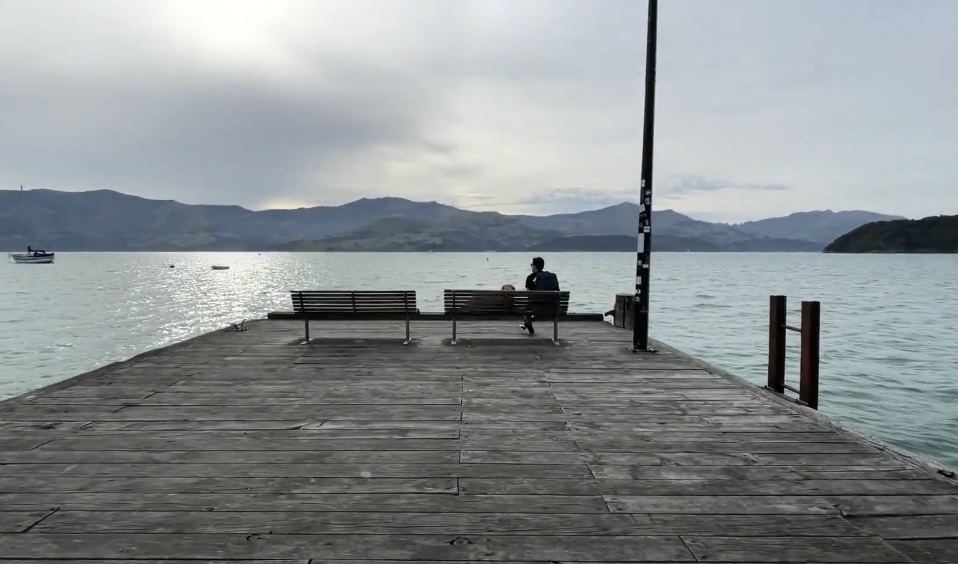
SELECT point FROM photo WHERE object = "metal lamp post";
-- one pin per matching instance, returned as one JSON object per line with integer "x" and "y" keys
{"x": 640, "y": 320}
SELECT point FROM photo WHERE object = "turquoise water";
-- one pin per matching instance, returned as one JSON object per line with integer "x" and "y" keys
{"x": 888, "y": 322}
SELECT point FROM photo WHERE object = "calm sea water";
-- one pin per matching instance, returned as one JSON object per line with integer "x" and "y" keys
{"x": 888, "y": 322}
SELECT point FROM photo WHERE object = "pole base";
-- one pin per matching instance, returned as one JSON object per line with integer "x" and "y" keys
{"x": 646, "y": 350}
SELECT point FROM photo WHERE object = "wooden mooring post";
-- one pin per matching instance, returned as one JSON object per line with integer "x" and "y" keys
{"x": 810, "y": 332}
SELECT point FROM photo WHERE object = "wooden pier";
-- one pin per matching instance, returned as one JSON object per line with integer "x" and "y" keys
{"x": 355, "y": 448}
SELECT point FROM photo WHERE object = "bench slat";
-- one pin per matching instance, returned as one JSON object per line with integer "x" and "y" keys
{"x": 347, "y": 301}
{"x": 465, "y": 298}
{"x": 358, "y": 302}
{"x": 349, "y": 304}
{"x": 337, "y": 297}
{"x": 322, "y": 293}
{"x": 497, "y": 302}
{"x": 351, "y": 308}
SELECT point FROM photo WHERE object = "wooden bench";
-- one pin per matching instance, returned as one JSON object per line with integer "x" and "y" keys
{"x": 337, "y": 304}
{"x": 496, "y": 304}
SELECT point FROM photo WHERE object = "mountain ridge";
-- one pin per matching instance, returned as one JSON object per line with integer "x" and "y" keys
{"x": 820, "y": 226}
{"x": 107, "y": 220}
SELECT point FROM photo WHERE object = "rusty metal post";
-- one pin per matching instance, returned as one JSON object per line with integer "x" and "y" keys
{"x": 811, "y": 333}
{"x": 776, "y": 343}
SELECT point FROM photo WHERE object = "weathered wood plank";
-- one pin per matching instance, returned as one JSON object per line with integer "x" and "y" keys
{"x": 667, "y": 438}
{"x": 787, "y": 505}
{"x": 909, "y": 527}
{"x": 707, "y": 409}
{"x": 765, "y": 472}
{"x": 860, "y": 473}
{"x": 754, "y": 447}
{"x": 632, "y": 428}
{"x": 341, "y": 383}
{"x": 163, "y": 399}
{"x": 301, "y": 433}
{"x": 351, "y": 547}
{"x": 522, "y": 486}
{"x": 375, "y": 503}
{"x": 18, "y": 521}
{"x": 607, "y": 459}
{"x": 112, "y": 442}
{"x": 572, "y": 418}
{"x": 282, "y": 470}
{"x": 928, "y": 550}
{"x": 792, "y": 549}
{"x": 28, "y": 443}
{"x": 30, "y": 412}
{"x": 732, "y": 458}
{"x": 187, "y": 425}
{"x": 213, "y": 485}
{"x": 714, "y": 472}
{"x": 341, "y": 523}
{"x": 168, "y": 561}
{"x": 746, "y": 525}
{"x": 642, "y": 387}
{"x": 13, "y": 427}
{"x": 345, "y": 424}
{"x": 874, "y": 459}
{"x": 532, "y": 427}
{"x": 230, "y": 457}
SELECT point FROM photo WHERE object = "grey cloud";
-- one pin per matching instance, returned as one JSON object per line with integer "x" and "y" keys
{"x": 199, "y": 138}
{"x": 692, "y": 184}
{"x": 490, "y": 103}
{"x": 142, "y": 120}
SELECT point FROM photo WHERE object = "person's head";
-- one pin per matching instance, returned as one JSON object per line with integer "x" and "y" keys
{"x": 508, "y": 288}
{"x": 538, "y": 265}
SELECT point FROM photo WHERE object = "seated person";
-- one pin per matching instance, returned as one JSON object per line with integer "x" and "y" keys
{"x": 541, "y": 280}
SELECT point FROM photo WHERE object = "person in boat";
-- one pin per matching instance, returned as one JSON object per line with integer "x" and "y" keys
{"x": 542, "y": 280}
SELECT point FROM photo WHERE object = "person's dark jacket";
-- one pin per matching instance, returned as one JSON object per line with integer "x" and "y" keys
{"x": 544, "y": 280}
{"x": 531, "y": 281}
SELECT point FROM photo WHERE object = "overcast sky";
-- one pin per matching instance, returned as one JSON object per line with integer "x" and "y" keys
{"x": 765, "y": 107}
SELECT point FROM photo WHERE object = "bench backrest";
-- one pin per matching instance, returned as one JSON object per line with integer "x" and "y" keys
{"x": 337, "y": 301}
{"x": 497, "y": 302}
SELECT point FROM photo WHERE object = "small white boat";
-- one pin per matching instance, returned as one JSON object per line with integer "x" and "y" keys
{"x": 215, "y": 267}
{"x": 32, "y": 257}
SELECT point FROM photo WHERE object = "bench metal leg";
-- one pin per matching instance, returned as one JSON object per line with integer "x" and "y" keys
{"x": 555, "y": 330}
{"x": 453, "y": 342}
{"x": 406, "y": 342}
{"x": 307, "y": 330}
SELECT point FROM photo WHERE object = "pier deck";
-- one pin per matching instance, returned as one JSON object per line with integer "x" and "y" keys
{"x": 245, "y": 445}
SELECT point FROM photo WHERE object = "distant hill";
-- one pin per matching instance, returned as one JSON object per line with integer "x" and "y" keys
{"x": 477, "y": 232}
{"x": 818, "y": 226}
{"x": 622, "y": 219}
{"x": 619, "y": 243}
{"x": 105, "y": 220}
{"x": 936, "y": 234}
